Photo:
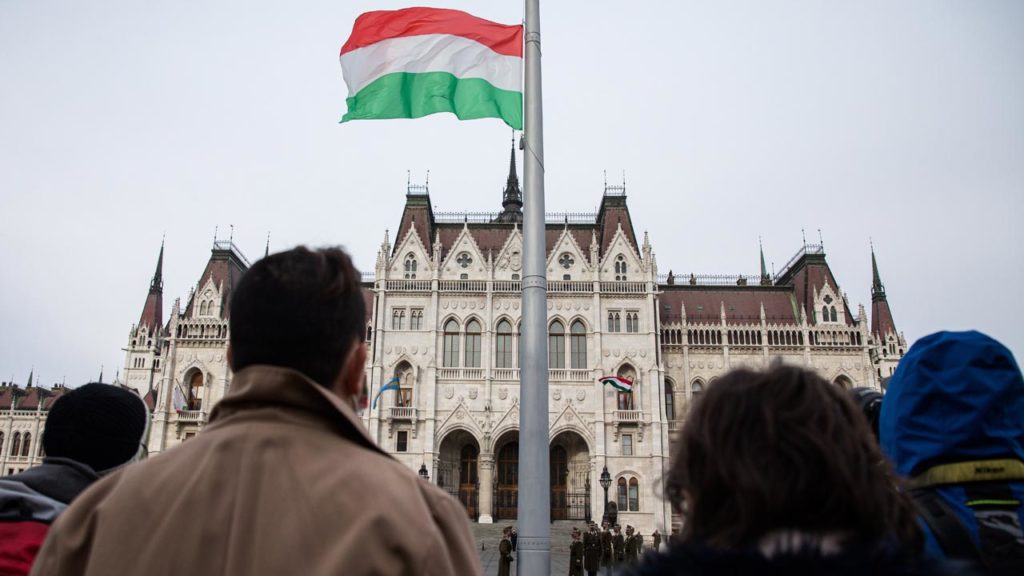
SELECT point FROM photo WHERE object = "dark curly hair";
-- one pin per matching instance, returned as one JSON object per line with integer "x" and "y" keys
{"x": 784, "y": 449}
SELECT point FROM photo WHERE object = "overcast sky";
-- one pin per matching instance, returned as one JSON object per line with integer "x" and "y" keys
{"x": 123, "y": 120}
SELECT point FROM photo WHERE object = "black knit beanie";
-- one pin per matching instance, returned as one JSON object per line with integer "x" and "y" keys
{"x": 99, "y": 425}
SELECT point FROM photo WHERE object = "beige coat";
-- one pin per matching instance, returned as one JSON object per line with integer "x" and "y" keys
{"x": 284, "y": 480}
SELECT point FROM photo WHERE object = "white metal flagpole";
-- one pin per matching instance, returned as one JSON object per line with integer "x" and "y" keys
{"x": 534, "y": 511}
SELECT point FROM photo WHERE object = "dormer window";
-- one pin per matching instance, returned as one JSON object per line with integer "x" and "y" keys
{"x": 620, "y": 268}
{"x": 410, "y": 267}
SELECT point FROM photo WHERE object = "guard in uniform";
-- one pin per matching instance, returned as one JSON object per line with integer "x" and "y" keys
{"x": 592, "y": 550}
{"x": 618, "y": 546}
{"x": 606, "y": 547}
{"x": 634, "y": 542}
{"x": 505, "y": 552}
{"x": 656, "y": 537}
{"x": 576, "y": 554}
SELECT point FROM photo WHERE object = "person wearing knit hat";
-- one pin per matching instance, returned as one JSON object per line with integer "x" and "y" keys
{"x": 90, "y": 431}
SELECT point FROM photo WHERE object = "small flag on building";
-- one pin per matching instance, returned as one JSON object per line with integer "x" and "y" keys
{"x": 418, "y": 61}
{"x": 618, "y": 382}
{"x": 392, "y": 384}
{"x": 178, "y": 399}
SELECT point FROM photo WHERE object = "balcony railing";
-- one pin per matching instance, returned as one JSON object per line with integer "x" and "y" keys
{"x": 569, "y": 375}
{"x": 460, "y": 373}
{"x": 623, "y": 287}
{"x": 408, "y": 285}
{"x": 191, "y": 417}
{"x": 628, "y": 416}
{"x": 506, "y": 374}
{"x": 463, "y": 285}
{"x": 402, "y": 413}
{"x": 508, "y": 286}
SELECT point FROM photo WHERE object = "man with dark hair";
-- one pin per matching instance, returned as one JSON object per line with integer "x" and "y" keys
{"x": 284, "y": 479}
{"x": 90, "y": 431}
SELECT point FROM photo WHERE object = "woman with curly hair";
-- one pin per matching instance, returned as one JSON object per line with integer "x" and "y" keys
{"x": 776, "y": 472}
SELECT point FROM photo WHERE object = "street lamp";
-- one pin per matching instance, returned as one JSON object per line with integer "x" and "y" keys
{"x": 423, "y": 472}
{"x": 606, "y": 481}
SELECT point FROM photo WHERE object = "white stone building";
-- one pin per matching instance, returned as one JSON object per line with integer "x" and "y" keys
{"x": 443, "y": 307}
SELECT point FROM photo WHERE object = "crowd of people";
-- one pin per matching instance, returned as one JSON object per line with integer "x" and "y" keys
{"x": 776, "y": 471}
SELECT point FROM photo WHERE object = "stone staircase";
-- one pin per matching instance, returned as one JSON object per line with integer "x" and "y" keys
{"x": 489, "y": 535}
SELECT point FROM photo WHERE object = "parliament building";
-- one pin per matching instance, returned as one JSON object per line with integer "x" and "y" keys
{"x": 443, "y": 304}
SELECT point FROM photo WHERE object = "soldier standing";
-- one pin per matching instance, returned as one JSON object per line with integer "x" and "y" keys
{"x": 631, "y": 545}
{"x": 618, "y": 546}
{"x": 592, "y": 550}
{"x": 505, "y": 552}
{"x": 606, "y": 547}
{"x": 656, "y": 537}
{"x": 576, "y": 554}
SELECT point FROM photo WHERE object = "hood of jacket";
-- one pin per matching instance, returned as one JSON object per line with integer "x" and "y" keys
{"x": 956, "y": 396}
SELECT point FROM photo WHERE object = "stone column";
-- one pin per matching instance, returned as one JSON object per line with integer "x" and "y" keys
{"x": 486, "y": 464}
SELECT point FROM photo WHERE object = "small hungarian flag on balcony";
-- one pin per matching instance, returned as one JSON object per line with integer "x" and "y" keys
{"x": 418, "y": 61}
{"x": 618, "y": 382}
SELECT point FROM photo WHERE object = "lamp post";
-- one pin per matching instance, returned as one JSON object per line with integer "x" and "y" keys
{"x": 423, "y": 472}
{"x": 606, "y": 481}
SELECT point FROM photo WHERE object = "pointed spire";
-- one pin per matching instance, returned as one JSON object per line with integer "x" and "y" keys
{"x": 157, "y": 285}
{"x": 765, "y": 278}
{"x": 266, "y": 252}
{"x": 877, "y": 288}
{"x": 512, "y": 198}
{"x": 31, "y": 373}
{"x": 101, "y": 374}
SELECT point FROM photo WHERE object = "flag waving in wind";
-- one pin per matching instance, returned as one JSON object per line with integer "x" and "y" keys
{"x": 418, "y": 61}
{"x": 392, "y": 384}
{"x": 618, "y": 382}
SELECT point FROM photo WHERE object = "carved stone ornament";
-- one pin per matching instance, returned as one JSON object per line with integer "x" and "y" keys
{"x": 472, "y": 393}
{"x": 607, "y": 353}
{"x": 581, "y": 395}
{"x": 415, "y": 350}
{"x": 502, "y": 393}
{"x": 449, "y": 392}
{"x": 569, "y": 417}
{"x": 557, "y": 395}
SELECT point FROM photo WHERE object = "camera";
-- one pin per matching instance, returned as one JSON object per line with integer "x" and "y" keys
{"x": 869, "y": 401}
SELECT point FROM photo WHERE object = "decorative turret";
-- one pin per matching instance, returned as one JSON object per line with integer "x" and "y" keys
{"x": 512, "y": 199}
{"x": 881, "y": 316}
{"x": 152, "y": 312}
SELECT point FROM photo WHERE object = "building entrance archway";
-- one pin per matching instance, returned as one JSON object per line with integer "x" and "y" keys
{"x": 570, "y": 477}
{"x": 506, "y": 478}
{"x": 458, "y": 470}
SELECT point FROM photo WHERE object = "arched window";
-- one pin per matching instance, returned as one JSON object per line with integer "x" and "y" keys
{"x": 26, "y": 444}
{"x": 416, "y": 320}
{"x": 405, "y": 376}
{"x": 410, "y": 266}
{"x": 473, "y": 344}
{"x": 16, "y": 444}
{"x": 625, "y": 399}
{"x": 696, "y": 389}
{"x": 451, "y": 344}
{"x": 632, "y": 322}
{"x": 556, "y": 345}
{"x": 578, "y": 345}
{"x": 620, "y": 268}
{"x": 618, "y": 323}
{"x": 628, "y": 494}
{"x": 670, "y": 407}
{"x": 503, "y": 345}
{"x": 835, "y": 317}
{"x": 397, "y": 319}
{"x": 611, "y": 322}
{"x": 195, "y": 391}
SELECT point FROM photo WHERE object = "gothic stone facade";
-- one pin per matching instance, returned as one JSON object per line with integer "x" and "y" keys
{"x": 444, "y": 316}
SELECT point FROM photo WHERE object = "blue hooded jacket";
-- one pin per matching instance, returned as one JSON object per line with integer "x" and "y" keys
{"x": 955, "y": 397}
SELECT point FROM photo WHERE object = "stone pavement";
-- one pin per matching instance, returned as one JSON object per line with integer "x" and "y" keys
{"x": 489, "y": 535}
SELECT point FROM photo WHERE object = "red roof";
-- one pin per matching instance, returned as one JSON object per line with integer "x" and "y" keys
{"x": 811, "y": 272}
{"x": 742, "y": 304}
{"x": 881, "y": 318}
{"x": 225, "y": 268}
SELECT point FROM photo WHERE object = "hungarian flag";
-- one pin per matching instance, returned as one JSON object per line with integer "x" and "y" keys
{"x": 618, "y": 382}
{"x": 418, "y": 61}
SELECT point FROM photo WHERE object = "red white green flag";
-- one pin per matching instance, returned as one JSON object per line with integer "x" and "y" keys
{"x": 618, "y": 382}
{"x": 417, "y": 61}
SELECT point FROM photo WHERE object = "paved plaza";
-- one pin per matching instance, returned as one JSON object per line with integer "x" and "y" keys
{"x": 489, "y": 535}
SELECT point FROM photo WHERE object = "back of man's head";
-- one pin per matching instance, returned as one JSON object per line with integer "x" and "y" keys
{"x": 98, "y": 425}
{"x": 956, "y": 396}
{"x": 301, "y": 309}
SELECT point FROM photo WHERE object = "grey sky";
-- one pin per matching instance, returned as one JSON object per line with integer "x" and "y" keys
{"x": 121, "y": 120}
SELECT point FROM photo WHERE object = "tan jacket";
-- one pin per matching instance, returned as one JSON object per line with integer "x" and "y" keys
{"x": 284, "y": 480}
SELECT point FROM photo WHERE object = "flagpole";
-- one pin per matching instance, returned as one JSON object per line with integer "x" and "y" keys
{"x": 534, "y": 510}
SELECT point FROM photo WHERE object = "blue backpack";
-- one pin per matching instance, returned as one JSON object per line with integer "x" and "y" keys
{"x": 953, "y": 423}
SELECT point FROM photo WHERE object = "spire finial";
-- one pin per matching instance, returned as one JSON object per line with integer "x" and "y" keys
{"x": 266, "y": 252}
{"x": 157, "y": 285}
{"x": 821, "y": 241}
{"x": 765, "y": 278}
{"x": 803, "y": 234}
{"x": 31, "y": 373}
{"x": 101, "y": 374}
{"x": 215, "y": 234}
{"x": 512, "y": 196}
{"x": 231, "y": 236}
{"x": 877, "y": 288}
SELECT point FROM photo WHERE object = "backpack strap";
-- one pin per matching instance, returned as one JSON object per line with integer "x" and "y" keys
{"x": 940, "y": 517}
